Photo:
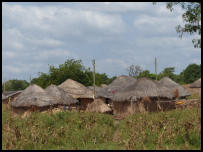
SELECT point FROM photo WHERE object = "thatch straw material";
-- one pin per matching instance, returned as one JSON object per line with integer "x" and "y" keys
{"x": 167, "y": 82}
{"x": 104, "y": 85}
{"x": 62, "y": 97}
{"x": 100, "y": 92}
{"x": 76, "y": 89}
{"x": 118, "y": 85}
{"x": 33, "y": 96}
{"x": 12, "y": 93}
{"x": 196, "y": 84}
{"x": 143, "y": 87}
{"x": 98, "y": 106}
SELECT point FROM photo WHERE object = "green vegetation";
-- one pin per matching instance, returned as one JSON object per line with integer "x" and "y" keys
{"x": 75, "y": 70}
{"x": 14, "y": 85}
{"x": 190, "y": 74}
{"x": 72, "y": 69}
{"x": 177, "y": 129}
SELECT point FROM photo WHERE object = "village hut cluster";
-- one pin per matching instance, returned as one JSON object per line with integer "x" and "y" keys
{"x": 125, "y": 95}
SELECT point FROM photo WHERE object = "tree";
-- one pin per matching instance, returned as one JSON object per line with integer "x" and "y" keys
{"x": 134, "y": 71}
{"x": 14, "y": 85}
{"x": 191, "y": 18}
{"x": 168, "y": 72}
{"x": 147, "y": 74}
{"x": 191, "y": 73}
{"x": 71, "y": 69}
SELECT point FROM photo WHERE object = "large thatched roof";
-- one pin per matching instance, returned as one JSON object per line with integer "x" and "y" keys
{"x": 121, "y": 83}
{"x": 98, "y": 106}
{"x": 143, "y": 87}
{"x": 76, "y": 89}
{"x": 33, "y": 96}
{"x": 167, "y": 82}
{"x": 118, "y": 85}
{"x": 62, "y": 97}
{"x": 196, "y": 84}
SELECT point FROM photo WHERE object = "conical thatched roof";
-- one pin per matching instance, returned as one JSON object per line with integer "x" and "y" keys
{"x": 62, "y": 97}
{"x": 98, "y": 106}
{"x": 143, "y": 87}
{"x": 118, "y": 85}
{"x": 196, "y": 84}
{"x": 3, "y": 97}
{"x": 33, "y": 96}
{"x": 121, "y": 82}
{"x": 76, "y": 89}
{"x": 167, "y": 82}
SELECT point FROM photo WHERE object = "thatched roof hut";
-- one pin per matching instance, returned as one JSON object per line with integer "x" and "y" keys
{"x": 33, "y": 96}
{"x": 76, "y": 89}
{"x": 98, "y": 106}
{"x": 143, "y": 87}
{"x": 196, "y": 84}
{"x": 62, "y": 97}
{"x": 143, "y": 95}
{"x": 167, "y": 82}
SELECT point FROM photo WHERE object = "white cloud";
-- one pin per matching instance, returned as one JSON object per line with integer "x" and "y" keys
{"x": 115, "y": 34}
{"x": 12, "y": 69}
{"x": 8, "y": 54}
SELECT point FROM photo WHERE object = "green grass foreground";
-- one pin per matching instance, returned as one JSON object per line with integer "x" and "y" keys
{"x": 177, "y": 129}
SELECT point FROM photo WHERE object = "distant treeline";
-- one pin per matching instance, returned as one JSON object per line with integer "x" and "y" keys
{"x": 75, "y": 70}
{"x": 191, "y": 73}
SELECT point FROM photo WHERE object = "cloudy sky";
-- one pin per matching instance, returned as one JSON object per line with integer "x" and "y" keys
{"x": 116, "y": 35}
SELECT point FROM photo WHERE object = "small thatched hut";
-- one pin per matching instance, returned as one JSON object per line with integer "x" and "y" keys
{"x": 98, "y": 106}
{"x": 78, "y": 91}
{"x": 143, "y": 95}
{"x": 196, "y": 84}
{"x": 176, "y": 89}
{"x": 11, "y": 95}
{"x": 33, "y": 98}
{"x": 62, "y": 97}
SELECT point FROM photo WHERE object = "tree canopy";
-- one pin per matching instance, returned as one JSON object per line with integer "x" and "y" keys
{"x": 14, "y": 85}
{"x": 191, "y": 73}
{"x": 71, "y": 69}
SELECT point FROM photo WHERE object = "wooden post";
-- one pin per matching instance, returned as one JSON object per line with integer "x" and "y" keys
{"x": 156, "y": 67}
{"x": 93, "y": 63}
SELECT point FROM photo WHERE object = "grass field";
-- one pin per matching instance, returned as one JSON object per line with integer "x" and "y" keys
{"x": 176, "y": 129}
